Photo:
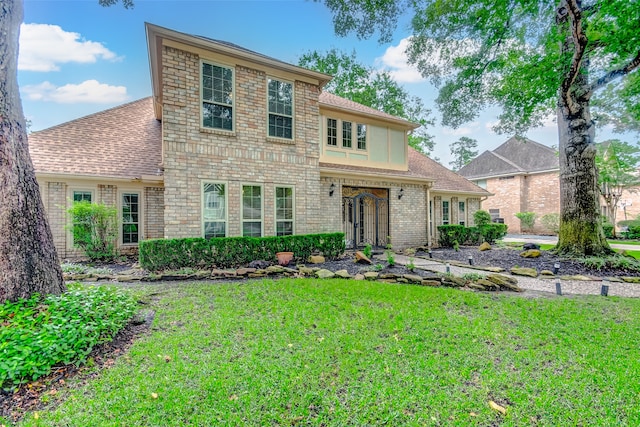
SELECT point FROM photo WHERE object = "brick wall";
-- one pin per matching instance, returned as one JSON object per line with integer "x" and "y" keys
{"x": 55, "y": 204}
{"x": 508, "y": 196}
{"x": 153, "y": 212}
{"x": 542, "y": 197}
{"x": 246, "y": 156}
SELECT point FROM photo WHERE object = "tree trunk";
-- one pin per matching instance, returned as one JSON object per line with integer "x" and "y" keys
{"x": 28, "y": 259}
{"x": 580, "y": 225}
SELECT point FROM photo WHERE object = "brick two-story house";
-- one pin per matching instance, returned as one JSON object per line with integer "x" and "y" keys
{"x": 235, "y": 143}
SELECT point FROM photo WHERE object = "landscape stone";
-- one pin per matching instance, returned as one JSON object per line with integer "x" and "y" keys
{"x": 388, "y": 276}
{"x": 528, "y": 246}
{"x": 631, "y": 279}
{"x": 547, "y": 273}
{"x": 126, "y": 278}
{"x": 362, "y": 258}
{"x": 500, "y": 279}
{"x": 453, "y": 281}
{"x": 409, "y": 252}
{"x": 431, "y": 282}
{"x": 400, "y": 280}
{"x": 577, "y": 277}
{"x": 371, "y": 275}
{"x": 413, "y": 278}
{"x": 524, "y": 271}
{"x": 488, "y": 285}
{"x": 531, "y": 253}
{"x": 275, "y": 269}
{"x": 245, "y": 271}
{"x": 305, "y": 270}
{"x": 343, "y": 274}
{"x": 359, "y": 277}
{"x": 325, "y": 274}
{"x": 485, "y": 247}
{"x": 316, "y": 259}
{"x": 476, "y": 286}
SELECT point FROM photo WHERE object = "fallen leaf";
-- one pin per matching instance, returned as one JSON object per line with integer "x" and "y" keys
{"x": 289, "y": 345}
{"x": 167, "y": 359}
{"x": 493, "y": 405}
{"x": 321, "y": 339}
{"x": 154, "y": 395}
{"x": 53, "y": 392}
{"x": 473, "y": 414}
{"x": 36, "y": 416}
{"x": 233, "y": 397}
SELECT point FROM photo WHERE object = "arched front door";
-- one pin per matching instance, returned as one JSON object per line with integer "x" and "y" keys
{"x": 365, "y": 215}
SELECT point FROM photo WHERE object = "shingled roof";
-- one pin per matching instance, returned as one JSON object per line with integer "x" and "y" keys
{"x": 514, "y": 156}
{"x": 122, "y": 142}
{"x": 334, "y": 101}
{"x": 421, "y": 168}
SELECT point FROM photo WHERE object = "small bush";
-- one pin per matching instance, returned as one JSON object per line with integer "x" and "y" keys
{"x": 481, "y": 217}
{"x": 224, "y": 252}
{"x": 551, "y": 222}
{"x": 527, "y": 220}
{"x": 367, "y": 251}
{"x": 410, "y": 265}
{"x": 448, "y": 235}
{"x": 39, "y": 333}
{"x": 95, "y": 229}
{"x": 607, "y": 228}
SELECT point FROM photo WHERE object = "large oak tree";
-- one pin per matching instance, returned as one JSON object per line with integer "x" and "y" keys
{"x": 531, "y": 58}
{"x": 28, "y": 259}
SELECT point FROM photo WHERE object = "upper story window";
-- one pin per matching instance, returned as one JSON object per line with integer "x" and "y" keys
{"x": 280, "y": 99}
{"x": 362, "y": 136}
{"x": 217, "y": 97}
{"x": 332, "y": 132}
{"x": 346, "y": 134}
{"x": 81, "y": 196}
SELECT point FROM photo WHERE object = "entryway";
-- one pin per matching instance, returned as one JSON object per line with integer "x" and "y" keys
{"x": 365, "y": 216}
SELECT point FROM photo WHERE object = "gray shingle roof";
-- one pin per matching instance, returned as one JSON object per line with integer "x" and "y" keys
{"x": 514, "y": 156}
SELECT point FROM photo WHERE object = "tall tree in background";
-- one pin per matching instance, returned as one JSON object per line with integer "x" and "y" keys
{"x": 354, "y": 81}
{"x": 618, "y": 164}
{"x": 532, "y": 58}
{"x": 28, "y": 259}
{"x": 463, "y": 151}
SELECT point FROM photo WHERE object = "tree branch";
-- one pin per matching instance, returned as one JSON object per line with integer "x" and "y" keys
{"x": 614, "y": 74}
{"x": 580, "y": 43}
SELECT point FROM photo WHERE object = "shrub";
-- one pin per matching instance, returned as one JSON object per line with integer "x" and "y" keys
{"x": 492, "y": 232}
{"x": 39, "y": 333}
{"x": 391, "y": 259}
{"x": 367, "y": 251}
{"x": 481, "y": 217}
{"x": 551, "y": 222}
{"x": 95, "y": 229}
{"x": 607, "y": 228}
{"x": 449, "y": 235}
{"x": 223, "y": 252}
{"x": 527, "y": 220}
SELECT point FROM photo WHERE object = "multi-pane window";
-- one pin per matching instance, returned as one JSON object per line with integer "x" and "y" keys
{"x": 251, "y": 210}
{"x": 214, "y": 210}
{"x": 461, "y": 213}
{"x": 445, "y": 212}
{"x": 332, "y": 132}
{"x": 362, "y": 136}
{"x": 346, "y": 134}
{"x": 82, "y": 196}
{"x": 217, "y": 97}
{"x": 130, "y": 217}
{"x": 280, "y": 100}
{"x": 284, "y": 211}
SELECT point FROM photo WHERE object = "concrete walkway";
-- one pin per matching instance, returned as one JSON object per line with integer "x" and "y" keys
{"x": 552, "y": 240}
{"x": 569, "y": 287}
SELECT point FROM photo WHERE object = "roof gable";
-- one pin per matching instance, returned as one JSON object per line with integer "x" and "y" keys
{"x": 445, "y": 180}
{"x": 330, "y": 100}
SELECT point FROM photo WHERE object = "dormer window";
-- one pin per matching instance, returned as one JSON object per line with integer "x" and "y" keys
{"x": 217, "y": 97}
{"x": 280, "y": 100}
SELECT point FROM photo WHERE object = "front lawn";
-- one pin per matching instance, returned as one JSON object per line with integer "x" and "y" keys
{"x": 340, "y": 352}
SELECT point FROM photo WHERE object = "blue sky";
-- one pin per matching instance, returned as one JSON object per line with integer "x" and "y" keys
{"x": 77, "y": 58}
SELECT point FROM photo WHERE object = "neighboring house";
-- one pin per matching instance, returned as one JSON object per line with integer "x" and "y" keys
{"x": 236, "y": 143}
{"x": 523, "y": 176}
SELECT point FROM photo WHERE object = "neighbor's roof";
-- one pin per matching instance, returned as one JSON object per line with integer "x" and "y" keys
{"x": 514, "y": 156}
{"x": 330, "y": 100}
{"x": 122, "y": 142}
{"x": 421, "y": 168}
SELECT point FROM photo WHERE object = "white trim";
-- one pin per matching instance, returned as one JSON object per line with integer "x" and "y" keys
{"x": 226, "y": 207}
{"x": 293, "y": 108}
{"x": 233, "y": 97}
{"x": 242, "y": 220}
{"x": 275, "y": 208}
{"x": 119, "y": 205}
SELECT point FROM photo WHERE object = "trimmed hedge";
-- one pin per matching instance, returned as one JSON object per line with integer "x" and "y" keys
{"x": 448, "y": 234}
{"x": 225, "y": 252}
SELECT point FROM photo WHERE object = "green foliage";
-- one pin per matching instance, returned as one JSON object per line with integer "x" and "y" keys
{"x": 391, "y": 259}
{"x": 39, "y": 333}
{"x": 617, "y": 164}
{"x": 83, "y": 269}
{"x": 551, "y": 222}
{"x": 95, "y": 229}
{"x": 527, "y": 220}
{"x": 472, "y": 277}
{"x": 368, "y": 251}
{"x": 365, "y": 85}
{"x": 607, "y": 228}
{"x": 222, "y": 252}
{"x": 411, "y": 265}
{"x": 450, "y": 236}
{"x": 613, "y": 261}
{"x": 456, "y": 246}
{"x": 378, "y": 267}
{"x": 463, "y": 151}
{"x": 481, "y": 217}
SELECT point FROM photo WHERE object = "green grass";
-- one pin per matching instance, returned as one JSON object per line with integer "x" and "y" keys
{"x": 625, "y": 242}
{"x": 346, "y": 353}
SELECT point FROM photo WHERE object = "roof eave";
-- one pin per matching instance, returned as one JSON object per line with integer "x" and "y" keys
{"x": 155, "y": 179}
{"x": 397, "y": 121}
{"x": 324, "y": 171}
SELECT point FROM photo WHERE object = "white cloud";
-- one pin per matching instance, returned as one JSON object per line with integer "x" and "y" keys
{"x": 44, "y": 47}
{"x": 395, "y": 62}
{"x": 89, "y": 92}
{"x": 462, "y": 131}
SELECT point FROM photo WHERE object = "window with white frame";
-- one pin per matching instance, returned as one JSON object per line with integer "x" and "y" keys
{"x": 461, "y": 213}
{"x": 82, "y": 196}
{"x": 214, "y": 209}
{"x": 284, "y": 211}
{"x": 332, "y": 132}
{"x": 252, "y": 210}
{"x": 346, "y": 134}
{"x": 362, "y": 136}
{"x": 217, "y": 97}
{"x": 445, "y": 212}
{"x": 280, "y": 100}
{"x": 130, "y": 218}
